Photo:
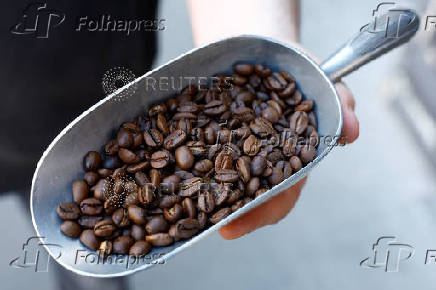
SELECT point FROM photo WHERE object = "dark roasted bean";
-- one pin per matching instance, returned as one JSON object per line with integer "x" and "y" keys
{"x": 220, "y": 215}
{"x": 174, "y": 213}
{"x": 120, "y": 217}
{"x": 91, "y": 177}
{"x": 184, "y": 157}
{"x": 186, "y": 228}
{"x": 80, "y": 191}
{"x": 71, "y": 229}
{"x": 137, "y": 214}
{"x": 189, "y": 208}
{"x": 104, "y": 228}
{"x": 137, "y": 232}
{"x": 121, "y": 245}
{"x": 88, "y": 238}
{"x": 160, "y": 240}
{"x": 170, "y": 184}
{"x": 160, "y": 159}
{"x": 206, "y": 202}
{"x": 156, "y": 225}
{"x": 88, "y": 222}
{"x": 175, "y": 139}
{"x": 140, "y": 248}
{"x": 168, "y": 201}
{"x": 226, "y": 175}
{"x": 91, "y": 206}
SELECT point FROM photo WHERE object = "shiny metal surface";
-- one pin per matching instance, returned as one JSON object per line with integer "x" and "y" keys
{"x": 62, "y": 161}
{"x": 385, "y": 33}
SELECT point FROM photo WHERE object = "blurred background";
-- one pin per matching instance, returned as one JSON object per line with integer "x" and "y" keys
{"x": 382, "y": 185}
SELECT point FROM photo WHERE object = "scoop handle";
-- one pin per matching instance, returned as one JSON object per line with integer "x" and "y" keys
{"x": 386, "y": 32}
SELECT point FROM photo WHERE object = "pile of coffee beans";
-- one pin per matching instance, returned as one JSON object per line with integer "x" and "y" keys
{"x": 190, "y": 162}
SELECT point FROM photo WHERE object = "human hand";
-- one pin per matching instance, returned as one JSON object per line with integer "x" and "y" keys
{"x": 280, "y": 205}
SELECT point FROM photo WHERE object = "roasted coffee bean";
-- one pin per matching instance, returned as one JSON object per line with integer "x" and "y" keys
{"x": 91, "y": 206}
{"x": 68, "y": 211}
{"x": 306, "y": 106}
{"x": 160, "y": 159}
{"x": 175, "y": 139}
{"x": 121, "y": 245}
{"x": 224, "y": 136}
{"x": 88, "y": 238}
{"x": 244, "y": 69}
{"x": 206, "y": 202}
{"x": 160, "y": 240}
{"x": 243, "y": 166}
{"x": 88, "y": 222}
{"x": 275, "y": 155}
{"x": 295, "y": 99}
{"x": 112, "y": 162}
{"x": 157, "y": 109}
{"x": 137, "y": 214}
{"x": 172, "y": 232}
{"x": 127, "y": 156}
{"x": 307, "y": 153}
{"x": 276, "y": 176}
{"x": 313, "y": 120}
{"x": 125, "y": 138}
{"x": 80, "y": 191}
{"x": 190, "y": 187}
{"x": 91, "y": 178}
{"x": 290, "y": 147}
{"x": 104, "y": 228}
{"x": 168, "y": 201}
{"x": 271, "y": 114}
{"x": 92, "y": 161}
{"x": 155, "y": 177}
{"x": 137, "y": 232}
{"x": 203, "y": 166}
{"x": 145, "y": 194}
{"x": 71, "y": 229}
{"x": 138, "y": 167}
{"x": 262, "y": 71}
{"x": 288, "y": 91}
{"x": 111, "y": 147}
{"x": 189, "y": 208}
{"x": 299, "y": 122}
{"x": 170, "y": 184}
{"x": 234, "y": 196}
{"x": 226, "y": 175}
{"x": 258, "y": 165}
{"x": 174, "y": 213}
{"x": 141, "y": 178}
{"x": 140, "y": 248}
{"x": 221, "y": 193}
{"x": 121, "y": 218}
{"x": 156, "y": 225}
{"x": 251, "y": 145}
{"x": 287, "y": 170}
{"x": 214, "y": 108}
{"x": 186, "y": 228}
{"x": 184, "y": 157}
{"x": 185, "y": 125}
{"x": 153, "y": 138}
{"x": 262, "y": 127}
{"x": 162, "y": 124}
{"x": 223, "y": 160}
{"x": 220, "y": 215}
{"x": 202, "y": 219}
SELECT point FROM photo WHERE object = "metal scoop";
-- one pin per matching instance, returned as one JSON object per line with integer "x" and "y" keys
{"x": 62, "y": 161}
